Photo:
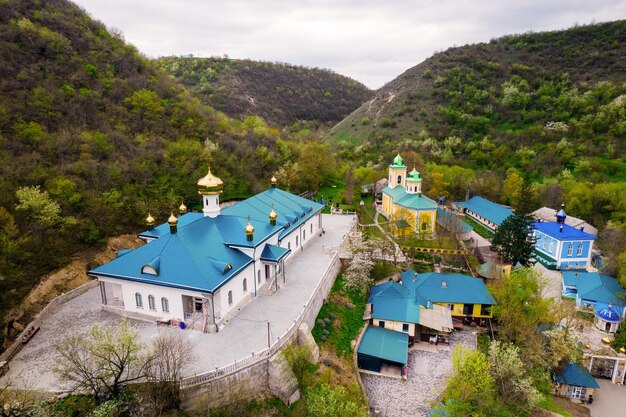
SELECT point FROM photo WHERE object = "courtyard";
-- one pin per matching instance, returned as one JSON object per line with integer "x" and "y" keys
{"x": 244, "y": 333}
{"x": 428, "y": 370}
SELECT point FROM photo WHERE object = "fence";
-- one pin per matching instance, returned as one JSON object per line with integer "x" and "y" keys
{"x": 48, "y": 310}
{"x": 256, "y": 357}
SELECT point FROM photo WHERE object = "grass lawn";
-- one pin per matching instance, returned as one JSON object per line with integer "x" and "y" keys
{"x": 478, "y": 228}
{"x": 335, "y": 191}
{"x": 368, "y": 211}
{"x": 413, "y": 240}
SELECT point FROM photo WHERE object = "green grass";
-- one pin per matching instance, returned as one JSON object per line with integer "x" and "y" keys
{"x": 478, "y": 228}
{"x": 585, "y": 316}
{"x": 335, "y": 191}
{"x": 367, "y": 212}
{"x": 414, "y": 241}
{"x": 344, "y": 323}
{"x": 549, "y": 404}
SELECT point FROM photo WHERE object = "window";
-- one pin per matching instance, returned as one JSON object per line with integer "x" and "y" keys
{"x": 151, "y": 302}
{"x": 303, "y": 235}
{"x": 165, "y": 305}
{"x": 424, "y": 226}
{"x": 138, "y": 300}
{"x": 245, "y": 285}
{"x": 289, "y": 245}
{"x": 296, "y": 241}
{"x": 258, "y": 274}
{"x": 451, "y": 307}
{"x": 545, "y": 242}
{"x": 551, "y": 246}
{"x": 468, "y": 309}
{"x": 484, "y": 310}
{"x": 230, "y": 298}
{"x": 405, "y": 327}
{"x": 570, "y": 249}
{"x": 579, "y": 252}
{"x": 399, "y": 179}
{"x": 311, "y": 228}
{"x": 381, "y": 324}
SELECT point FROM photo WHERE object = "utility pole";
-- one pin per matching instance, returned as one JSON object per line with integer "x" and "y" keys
{"x": 269, "y": 338}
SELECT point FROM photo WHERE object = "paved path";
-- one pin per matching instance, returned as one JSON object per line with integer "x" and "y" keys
{"x": 399, "y": 254}
{"x": 243, "y": 334}
{"x": 609, "y": 400}
{"x": 554, "y": 281}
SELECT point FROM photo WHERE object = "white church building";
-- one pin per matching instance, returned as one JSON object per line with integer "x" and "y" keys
{"x": 197, "y": 270}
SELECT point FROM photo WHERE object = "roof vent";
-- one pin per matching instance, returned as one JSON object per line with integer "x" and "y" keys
{"x": 561, "y": 229}
{"x": 582, "y": 228}
{"x": 444, "y": 284}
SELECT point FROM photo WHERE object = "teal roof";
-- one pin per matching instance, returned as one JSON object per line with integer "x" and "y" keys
{"x": 385, "y": 344}
{"x": 447, "y": 288}
{"x": 274, "y": 253}
{"x": 392, "y": 301}
{"x": 596, "y": 287}
{"x": 489, "y": 210}
{"x": 554, "y": 229}
{"x": 410, "y": 201}
{"x": 577, "y": 375}
{"x": 202, "y": 255}
{"x": 444, "y": 216}
{"x": 398, "y": 162}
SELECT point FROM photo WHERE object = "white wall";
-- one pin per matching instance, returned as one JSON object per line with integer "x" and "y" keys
{"x": 222, "y": 309}
{"x": 304, "y": 230}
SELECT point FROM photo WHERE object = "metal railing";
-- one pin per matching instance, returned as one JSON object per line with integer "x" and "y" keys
{"x": 256, "y": 357}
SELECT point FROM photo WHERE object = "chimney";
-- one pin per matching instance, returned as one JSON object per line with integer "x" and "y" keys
{"x": 444, "y": 284}
{"x": 561, "y": 229}
{"x": 582, "y": 228}
{"x": 414, "y": 276}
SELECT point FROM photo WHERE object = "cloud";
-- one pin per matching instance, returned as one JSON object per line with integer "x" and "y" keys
{"x": 369, "y": 40}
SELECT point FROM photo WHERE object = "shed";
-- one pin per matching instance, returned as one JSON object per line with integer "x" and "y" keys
{"x": 380, "y": 346}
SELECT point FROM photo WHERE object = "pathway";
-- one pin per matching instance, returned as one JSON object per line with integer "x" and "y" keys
{"x": 243, "y": 334}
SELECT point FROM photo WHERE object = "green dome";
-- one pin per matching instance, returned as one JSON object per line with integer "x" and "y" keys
{"x": 398, "y": 162}
{"x": 414, "y": 176}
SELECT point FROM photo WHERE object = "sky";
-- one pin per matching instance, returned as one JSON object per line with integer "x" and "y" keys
{"x": 372, "y": 41}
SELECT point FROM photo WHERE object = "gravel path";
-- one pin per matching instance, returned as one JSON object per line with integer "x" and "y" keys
{"x": 427, "y": 375}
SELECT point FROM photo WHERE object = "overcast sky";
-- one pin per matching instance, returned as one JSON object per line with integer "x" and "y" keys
{"x": 372, "y": 41}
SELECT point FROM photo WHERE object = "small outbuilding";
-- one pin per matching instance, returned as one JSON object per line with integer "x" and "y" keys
{"x": 382, "y": 348}
{"x": 575, "y": 382}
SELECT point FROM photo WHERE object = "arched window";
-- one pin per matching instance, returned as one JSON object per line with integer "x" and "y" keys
{"x": 245, "y": 285}
{"x": 399, "y": 179}
{"x": 303, "y": 235}
{"x": 230, "y": 298}
{"x": 579, "y": 251}
{"x": 151, "y": 302}
{"x": 258, "y": 274}
{"x": 424, "y": 226}
{"x": 289, "y": 245}
{"x": 570, "y": 249}
{"x": 165, "y": 305}
{"x": 551, "y": 246}
{"x": 296, "y": 241}
{"x": 138, "y": 300}
{"x": 311, "y": 228}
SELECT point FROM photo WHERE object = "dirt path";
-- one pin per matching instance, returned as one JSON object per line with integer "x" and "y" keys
{"x": 64, "y": 279}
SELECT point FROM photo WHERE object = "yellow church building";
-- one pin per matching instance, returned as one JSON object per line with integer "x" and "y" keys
{"x": 403, "y": 200}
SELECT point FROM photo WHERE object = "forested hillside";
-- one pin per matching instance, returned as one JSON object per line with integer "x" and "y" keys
{"x": 551, "y": 106}
{"x": 282, "y": 94}
{"x": 93, "y": 137}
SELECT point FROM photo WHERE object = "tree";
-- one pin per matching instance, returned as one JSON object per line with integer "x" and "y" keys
{"x": 561, "y": 346}
{"x": 512, "y": 185}
{"x": 512, "y": 241}
{"x": 170, "y": 352}
{"x": 327, "y": 401}
{"x": 510, "y": 375}
{"x": 103, "y": 361}
{"x": 299, "y": 359}
{"x": 358, "y": 278}
{"x": 39, "y": 209}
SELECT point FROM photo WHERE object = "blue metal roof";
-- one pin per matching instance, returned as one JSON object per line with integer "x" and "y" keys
{"x": 274, "y": 253}
{"x": 607, "y": 312}
{"x": 596, "y": 287}
{"x": 202, "y": 255}
{"x": 392, "y": 301}
{"x": 489, "y": 210}
{"x": 385, "y": 344}
{"x": 569, "y": 233}
{"x": 577, "y": 375}
{"x": 447, "y": 288}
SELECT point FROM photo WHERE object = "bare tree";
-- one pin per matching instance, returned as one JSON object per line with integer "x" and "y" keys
{"x": 103, "y": 361}
{"x": 15, "y": 402}
{"x": 169, "y": 354}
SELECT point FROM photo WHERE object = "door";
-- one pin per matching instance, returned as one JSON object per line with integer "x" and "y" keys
{"x": 267, "y": 272}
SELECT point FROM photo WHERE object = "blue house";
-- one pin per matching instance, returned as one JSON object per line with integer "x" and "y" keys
{"x": 559, "y": 246}
{"x": 597, "y": 292}
{"x": 485, "y": 212}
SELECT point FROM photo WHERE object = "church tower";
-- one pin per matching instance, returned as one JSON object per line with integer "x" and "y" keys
{"x": 414, "y": 183}
{"x": 397, "y": 172}
{"x": 210, "y": 187}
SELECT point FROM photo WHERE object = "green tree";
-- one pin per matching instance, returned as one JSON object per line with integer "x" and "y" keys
{"x": 327, "y": 401}
{"x": 511, "y": 186}
{"x": 511, "y": 240}
{"x": 39, "y": 209}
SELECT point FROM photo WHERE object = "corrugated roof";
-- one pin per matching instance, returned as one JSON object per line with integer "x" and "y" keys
{"x": 385, "y": 344}
{"x": 458, "y": 288}
{"x": 489, "y": 210}
{"x": 549, "y": 215}
{"x": 392, "y": 301}
{"x": 274, "y": 253}
{"x": 199, "y": 256}
{"x": 410, "y": 201}
{"x": 594, "y": 286}
{"x": 569, "y": 233}
{"x": 577, "y": 375}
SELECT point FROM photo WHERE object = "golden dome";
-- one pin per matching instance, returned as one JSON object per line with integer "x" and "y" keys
{"x": 273, "y": 215}
{"x": 183, "y": 208}
{"x": 274, "y": 179}
{"x": 249, "y": 228}
{"x": 210, "y": 184}
{"x": 172, "y": 220}
{"x": 150, "y": 220}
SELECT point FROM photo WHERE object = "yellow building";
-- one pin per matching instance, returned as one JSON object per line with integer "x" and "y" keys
{"x": 403, "y": 201}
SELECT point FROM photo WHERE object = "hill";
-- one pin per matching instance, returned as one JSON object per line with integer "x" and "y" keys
{"x": 93, "y": 136}
{"x": 282, "y": 94}
{"x": 539, "y": 102}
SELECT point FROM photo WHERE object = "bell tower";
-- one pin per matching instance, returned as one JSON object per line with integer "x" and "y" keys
{"x": 210, "y": 187}
{"x": 397, "y": 173}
